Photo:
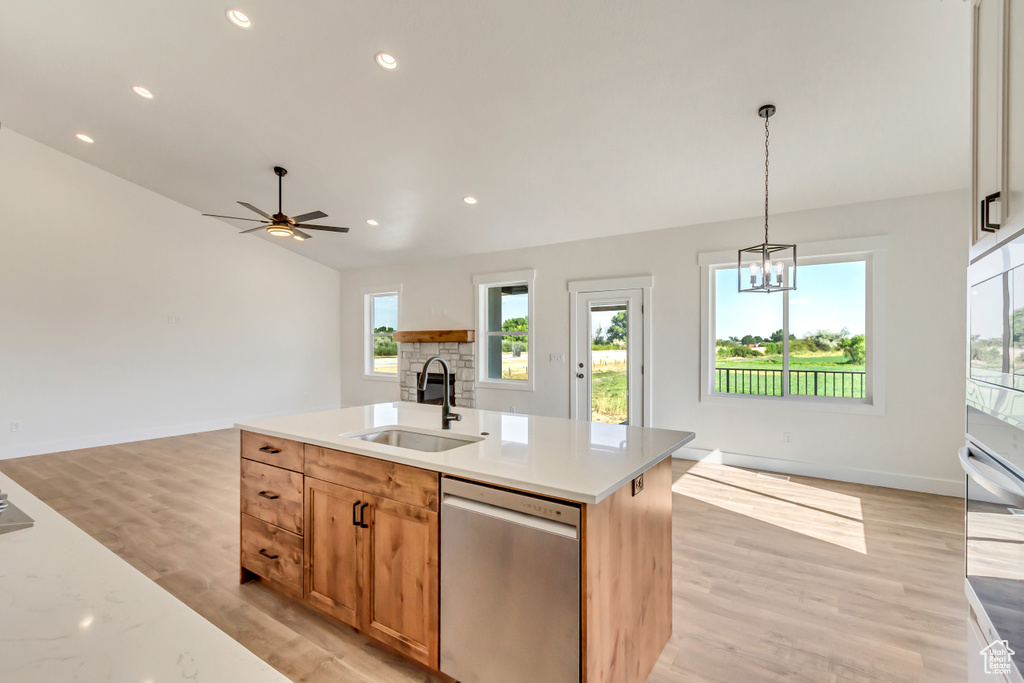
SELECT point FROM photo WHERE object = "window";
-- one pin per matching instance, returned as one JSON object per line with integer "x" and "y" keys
{"x": 817, "y": 344}
{"x": 504, "y": 312}
{"x": 381, "y": 315}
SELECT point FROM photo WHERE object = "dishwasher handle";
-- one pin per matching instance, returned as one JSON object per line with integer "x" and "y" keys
{"x": 514, "y": 516}
{"x": 1000, "y": 489}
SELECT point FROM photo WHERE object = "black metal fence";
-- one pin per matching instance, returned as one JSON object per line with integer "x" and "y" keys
{"x": 837, "y": 383}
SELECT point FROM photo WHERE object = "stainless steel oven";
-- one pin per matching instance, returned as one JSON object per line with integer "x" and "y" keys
{"x": 993, "y": 462}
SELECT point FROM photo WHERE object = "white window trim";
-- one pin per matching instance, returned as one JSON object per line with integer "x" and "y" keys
{"x": 871, "y": 249}
{"x": 480, "y": 285}
{"x": 367, "y": 334}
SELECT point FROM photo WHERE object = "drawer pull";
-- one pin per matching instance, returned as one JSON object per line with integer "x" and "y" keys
{"x": 264, "y": 553}
{"x": 269, "y": 495}
{"x": 355, "y": 508}
{"x": 362, "y": 516}
{"x": 270, "y": 449}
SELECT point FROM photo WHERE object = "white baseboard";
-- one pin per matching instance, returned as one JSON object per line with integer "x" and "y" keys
{"x": 906, "y": 482}
{"x": 96, "y": 440}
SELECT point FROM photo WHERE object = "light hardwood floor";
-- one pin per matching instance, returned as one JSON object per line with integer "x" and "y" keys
{"x": 805, "y": 580}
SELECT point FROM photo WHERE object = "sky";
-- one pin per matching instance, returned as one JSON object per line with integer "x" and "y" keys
{"x": 828, "y": 296}
{"x": 385, "y": 311}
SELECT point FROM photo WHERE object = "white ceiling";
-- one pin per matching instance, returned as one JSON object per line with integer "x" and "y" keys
{"x": 567, "y": 119}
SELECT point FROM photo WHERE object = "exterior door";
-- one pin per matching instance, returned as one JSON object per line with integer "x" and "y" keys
{"x": 334, "y": 565}
{"x": 608, "y": 356}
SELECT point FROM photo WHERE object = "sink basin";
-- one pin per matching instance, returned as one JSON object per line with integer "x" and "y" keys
{"x": 417, "y": 441}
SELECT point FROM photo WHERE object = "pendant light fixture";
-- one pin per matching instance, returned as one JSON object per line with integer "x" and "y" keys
{"x": 767, "y": 267}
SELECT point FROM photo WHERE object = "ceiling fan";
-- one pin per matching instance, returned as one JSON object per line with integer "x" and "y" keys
{"x": 279, "y": 224}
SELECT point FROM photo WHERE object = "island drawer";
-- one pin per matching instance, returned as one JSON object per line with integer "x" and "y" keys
{"x": 272, "y": 494}
{"x": 401, "y": 483}
{"x": 272, "y": 552}
{"x": 272, "y": 450}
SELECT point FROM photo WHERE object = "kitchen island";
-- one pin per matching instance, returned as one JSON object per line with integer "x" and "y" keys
{"x": 341, "y": 510}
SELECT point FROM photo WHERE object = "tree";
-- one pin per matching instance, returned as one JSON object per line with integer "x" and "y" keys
{"x": 388, "y": 330}
{"x": 599, "y": 339}
{"x": 617, "y": 328}
{"x": 515, "y": 325}
{"x": 777, "y": 336}
{"x": 854, "y": 348}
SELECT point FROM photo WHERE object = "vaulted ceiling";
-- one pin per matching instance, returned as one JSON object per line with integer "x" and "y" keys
{"x": 566, "y": 119}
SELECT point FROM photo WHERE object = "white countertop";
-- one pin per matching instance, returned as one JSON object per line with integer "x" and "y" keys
{"x": 72, "y": 610}
{"x": 570, "y": 459}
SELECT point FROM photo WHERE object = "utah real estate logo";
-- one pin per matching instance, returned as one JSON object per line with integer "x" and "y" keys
{"x": 997, "y": 657}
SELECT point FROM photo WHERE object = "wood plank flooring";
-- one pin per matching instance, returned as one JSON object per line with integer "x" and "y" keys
{"x": 801, "y": 580}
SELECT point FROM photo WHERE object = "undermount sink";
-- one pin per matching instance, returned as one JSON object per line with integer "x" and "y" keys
{"x": 417, "y": 441}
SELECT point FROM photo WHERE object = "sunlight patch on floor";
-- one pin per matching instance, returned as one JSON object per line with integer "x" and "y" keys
{"x": 818, "y": 513}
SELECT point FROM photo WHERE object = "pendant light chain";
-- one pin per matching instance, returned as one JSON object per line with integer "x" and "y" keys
{"x": 766, "y": 180}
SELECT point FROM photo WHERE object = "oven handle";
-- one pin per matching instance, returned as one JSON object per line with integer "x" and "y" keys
{"x": 1010, "y": 495}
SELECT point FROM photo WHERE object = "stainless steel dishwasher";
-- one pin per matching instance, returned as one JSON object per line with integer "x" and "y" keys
{"x": 510, "y": 586}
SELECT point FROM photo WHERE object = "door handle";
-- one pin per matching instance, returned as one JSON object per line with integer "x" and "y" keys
{"x": 362, "y": 518}
{"x": 1015, "y": 497}
{"x": 580, "y": 375}
{"x": 986, "y": 213}
{"x": 355, "y": 509}
{"x": 270, "y": 449}
{"x": 264, "y": 553}
{"x": 269, "y": 495}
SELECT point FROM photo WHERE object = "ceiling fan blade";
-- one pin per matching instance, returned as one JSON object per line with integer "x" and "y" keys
{"x": 258, "y": 227}
{"x": 237, "y": 218}
{"x": 253, "y": 208}
{"x": 311, "y": 216}
{"x": 301, "y": 235}
{"x": 327, "y": 228}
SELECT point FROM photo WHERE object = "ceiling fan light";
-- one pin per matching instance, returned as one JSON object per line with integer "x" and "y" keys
{"x": 280, "y": 230}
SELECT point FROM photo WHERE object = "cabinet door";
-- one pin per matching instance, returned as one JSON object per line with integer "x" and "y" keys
{"x": 988, "y": 107}
{"x": 1014, "y": 113}
{"x": 334, "y": 565}
{"x": 401, "y": 599}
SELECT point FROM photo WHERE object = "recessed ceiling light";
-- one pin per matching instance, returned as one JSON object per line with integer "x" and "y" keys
{"x": 84, "y": 138}
{"x": 370, "y": 221}
{"x": 386, "y": 61}
{"x": 239, "y": 18}
{"x": 142, "y": 92}
{"x": 469, "y": 200}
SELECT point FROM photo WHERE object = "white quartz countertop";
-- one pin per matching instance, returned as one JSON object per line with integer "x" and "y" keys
{"x": 72, "y": 610}
{"x": 571, "y": 459}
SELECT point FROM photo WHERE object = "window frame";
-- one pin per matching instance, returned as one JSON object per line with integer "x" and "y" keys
{"x": 369, "y": 294}
{"x": 871, "y": 250}
{"x": 481, "y": 283}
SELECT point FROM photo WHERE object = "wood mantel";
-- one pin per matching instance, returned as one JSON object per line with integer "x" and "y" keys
{"x": 460, "y": 336}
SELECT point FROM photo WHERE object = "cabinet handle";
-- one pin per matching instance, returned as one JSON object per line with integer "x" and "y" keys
{"x": 270, "y": 449}
{"x": 986, "y": 212}
{"x": 362, "y": 518}
{"x": 269, "y": 495}
{"x": 355, "y": 509}
{"x": 264, "y": 553}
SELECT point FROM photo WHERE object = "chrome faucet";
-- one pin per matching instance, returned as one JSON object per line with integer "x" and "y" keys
{"x": 446, "y": 407}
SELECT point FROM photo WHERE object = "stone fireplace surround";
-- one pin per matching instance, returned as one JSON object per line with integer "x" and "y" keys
{"x": 460, "y": 356}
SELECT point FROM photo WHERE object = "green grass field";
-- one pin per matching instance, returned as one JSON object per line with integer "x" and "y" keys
{"x": 765, "y": 383}
{"x": 608, "y": 397}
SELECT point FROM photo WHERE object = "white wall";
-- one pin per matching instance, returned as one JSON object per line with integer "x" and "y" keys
{"x": 91, "y": 266}
{"x": 911, "y": 446}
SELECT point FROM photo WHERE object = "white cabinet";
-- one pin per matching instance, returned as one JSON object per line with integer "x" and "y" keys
{"x": 997, "y": 99}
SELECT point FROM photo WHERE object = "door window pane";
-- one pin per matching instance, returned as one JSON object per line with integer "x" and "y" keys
{"x": 827, "y": 343}
{"x": 748, "y": 338}
{"x": 609, "y": 356}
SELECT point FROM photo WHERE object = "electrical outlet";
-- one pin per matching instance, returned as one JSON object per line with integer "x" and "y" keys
{"x": 15, "y": 426}
{"x": 512, "y": 409}
{"x": 638, "y": 484}
{"x": 787, "y": 437}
